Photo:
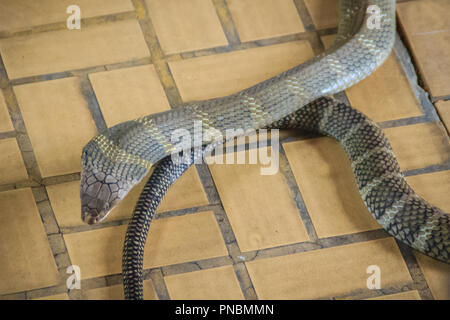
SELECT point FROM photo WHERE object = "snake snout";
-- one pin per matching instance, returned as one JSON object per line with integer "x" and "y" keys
{"x": 93, "y": 209}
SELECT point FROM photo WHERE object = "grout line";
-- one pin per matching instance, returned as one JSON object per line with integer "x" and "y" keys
{"x": 406, "y": 63}
{"x": 430, "y": 169}
{"x": 370, "y": 293}
{"x": 314, "y": 35}
{"x": 304, "y": 15}
{"x": 415, "y": 271}
{"x": 88, "y": 94}
{"x": 228, "y": 25}
{"x": 157, "y": 55}
{"x": 227, "y": 232}
{"x": 192, "y": 266}
{"x": 437, "y": 98}
{"x": 61, "y": 25}
{"x": 47, "y": 215}
{"x": 159, "y": 284}
{"x": 8, "y": 135}
{"x": 160, "y": 62}
{"x": 296, "y": 195}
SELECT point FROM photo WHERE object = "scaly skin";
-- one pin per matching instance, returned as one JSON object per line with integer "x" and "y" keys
{"x": 402, "y": 213}
{"x": 118, "y": 159}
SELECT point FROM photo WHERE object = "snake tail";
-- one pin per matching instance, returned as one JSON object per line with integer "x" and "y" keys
{"x": 165, "y": 174}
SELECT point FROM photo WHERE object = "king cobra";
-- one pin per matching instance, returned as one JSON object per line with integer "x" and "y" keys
{"x": 119, "y": 158}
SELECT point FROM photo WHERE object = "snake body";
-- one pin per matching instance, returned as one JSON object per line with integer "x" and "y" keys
{"x": 386, "y": 194}
{"x": 116, "y": 160}
{"x": 166, "y": 172}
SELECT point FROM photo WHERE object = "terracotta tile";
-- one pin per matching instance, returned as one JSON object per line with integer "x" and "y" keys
{"x": 27, "y": 261}
{"x": 180, "y": 25}
{"x": 420, "y": 145}
{"x": 433, "y": 187}
{"x": 65, "y": 201}
{"x": 60, "y": 296}
{"x": 171, "y": 240}
{"x": 185, "y": 238}
{"x": 211, "y": 284}
{"x": 443, "y": 108}
{"x": 437, "y": 275}
{"x": 260, "y": 207}
{"x": 328, "y": 40}
{"x": 431, "y": 52}
{"x": 5, "y": 120}
{"x": 260, "y": 19}
{"x": 328, "y": 272}
{"x": 116, "y": 292}
{"x": 424, "y": 15}
{"x": 324, "y": 13}
{"x": 130, "y": 93}
{"x": 105, "y": 293}
{"x": 186, "y": 192}
{"x": 408, "y": 295}
{"x": 427, "y": 30}
{"x": 385, "y": 94}
{"x": 58, "y": 122}
{"x": 57, "y": 51}
{"x": 12, "y": 167}
{"x": 21, "y": 14}
{"x": 223, "y": 74}
{"x": 322, "y": 171}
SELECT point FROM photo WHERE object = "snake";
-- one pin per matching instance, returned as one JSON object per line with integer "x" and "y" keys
{"x": 117, "y": 159}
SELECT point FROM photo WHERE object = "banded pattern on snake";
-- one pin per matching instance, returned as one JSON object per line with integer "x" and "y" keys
{"x": 118, "y": 159}
{"x": 387, "y": 195}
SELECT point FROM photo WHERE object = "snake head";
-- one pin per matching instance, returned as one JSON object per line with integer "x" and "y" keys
{"x": 100, "y": 193}
{"x": 102, "y": 185}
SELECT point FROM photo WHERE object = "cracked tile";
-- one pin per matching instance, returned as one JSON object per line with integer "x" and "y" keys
{"x": 427, "y": 30}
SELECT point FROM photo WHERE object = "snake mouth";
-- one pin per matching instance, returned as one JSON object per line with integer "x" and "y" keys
{"x": 93, "y": 210}
{"x": 89, "y": 219}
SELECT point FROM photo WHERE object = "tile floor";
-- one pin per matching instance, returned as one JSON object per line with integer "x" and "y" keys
{"x": 223, "y": 231}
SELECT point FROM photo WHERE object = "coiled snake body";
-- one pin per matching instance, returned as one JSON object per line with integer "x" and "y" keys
{"x": 116, "y": 160}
